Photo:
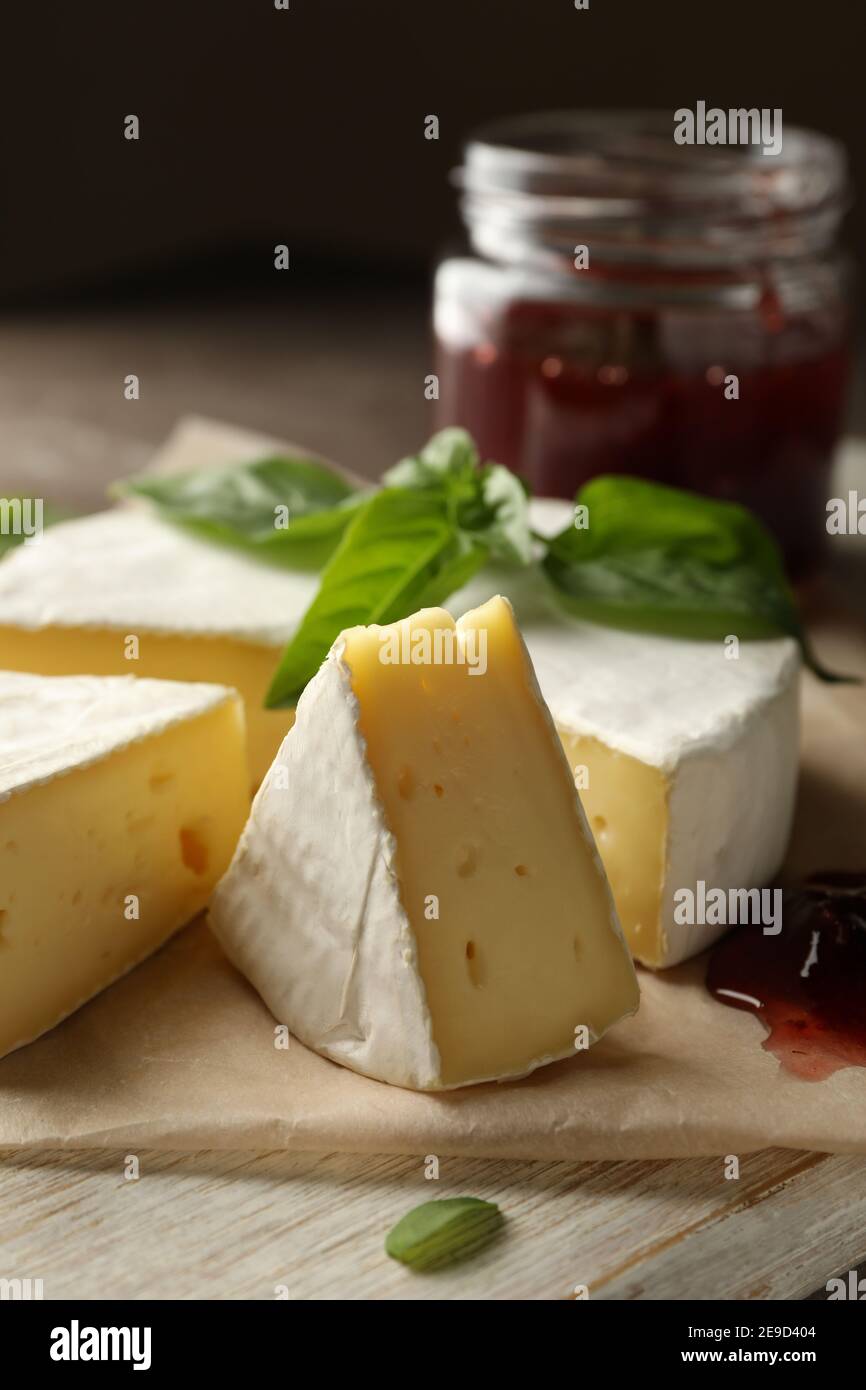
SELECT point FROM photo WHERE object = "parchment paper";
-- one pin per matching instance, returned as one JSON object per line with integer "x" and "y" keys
{"x": 180, "y": 1054}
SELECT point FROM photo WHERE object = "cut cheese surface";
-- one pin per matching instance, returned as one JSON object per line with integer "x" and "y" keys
{"x": 121, "y": 802}
{"x": 682, "y": 711}
{"x": 246, "y": 666}
{"x": 686, "y": 753}
{"x": 175, "y": 608}
{"x": 721, "y": 815}
{"x": 626, "y": 803}
{"x": 417, "y": 894}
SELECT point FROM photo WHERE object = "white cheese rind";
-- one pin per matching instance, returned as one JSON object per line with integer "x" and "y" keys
{"x": 723, "y": 731}
{"x": 129, "y": 572}
{"x": 653, "y": 697}
{"x": 52, "y": 725}
{"x": 126, "y": 571}
{"x": 310, "y": 910}
{"x": 683, "y": 707}
{"x": 650, "y": 696}
{"x": 730, "y": 815}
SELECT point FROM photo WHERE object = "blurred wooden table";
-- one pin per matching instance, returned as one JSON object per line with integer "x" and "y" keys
{"x": 345, "y": 378}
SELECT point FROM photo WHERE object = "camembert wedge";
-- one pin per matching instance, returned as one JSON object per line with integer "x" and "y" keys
{"x": 121, "y": 593}
{"x": 686, "y": 753}
{"x": 417, "y": 894}
{"x": 121, "y": 802}
{"x": 686, "y": 759}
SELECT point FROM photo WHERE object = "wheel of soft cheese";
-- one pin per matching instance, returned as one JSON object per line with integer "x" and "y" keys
{"x": 685, "y": 752}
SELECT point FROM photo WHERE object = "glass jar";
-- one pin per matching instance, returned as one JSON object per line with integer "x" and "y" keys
{"x": 630, "y": 305}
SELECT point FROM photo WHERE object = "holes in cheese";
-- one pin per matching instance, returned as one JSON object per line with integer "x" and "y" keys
{"x": 193, "y": 849}
{"x": 474, "y": 966}
{"x": 427, "y": 939}
{"x": 103, "y": 855}
{"x": 510, "y": 791}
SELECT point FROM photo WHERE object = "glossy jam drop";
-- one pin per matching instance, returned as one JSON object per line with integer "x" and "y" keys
{"x": 807, "y": 985}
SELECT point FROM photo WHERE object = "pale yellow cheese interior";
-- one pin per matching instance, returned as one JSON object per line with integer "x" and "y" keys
{"x": 626, "y": 802}
{"x": 246, "y": 666}
{"x": 476, "y": 790}
{"x": 158, "y": 820}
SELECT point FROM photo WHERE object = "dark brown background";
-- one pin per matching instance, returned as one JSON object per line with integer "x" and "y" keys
{"x": 306, "y": 126}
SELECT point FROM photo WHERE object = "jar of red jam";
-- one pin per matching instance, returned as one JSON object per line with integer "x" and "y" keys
{"x": 628, "y": 304}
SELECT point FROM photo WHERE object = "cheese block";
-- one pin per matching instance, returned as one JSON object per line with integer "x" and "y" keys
{"x": 417, "y": 894}
{"x": 121, "y": 802}
{"x": 686, "y": 758}
{"x": 686, "y": 754}
{"x": 121, "y": 593}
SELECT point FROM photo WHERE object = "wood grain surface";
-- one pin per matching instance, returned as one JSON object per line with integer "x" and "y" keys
{"x": 241, "y": 1226}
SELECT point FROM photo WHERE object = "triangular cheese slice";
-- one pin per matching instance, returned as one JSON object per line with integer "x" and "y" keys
{"x": 648, "y": 721}
{"x": 417, "y": 894}
{"x": 121, "y": 801}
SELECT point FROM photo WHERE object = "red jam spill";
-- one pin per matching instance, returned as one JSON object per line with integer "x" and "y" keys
{"x": 808, "y": 984}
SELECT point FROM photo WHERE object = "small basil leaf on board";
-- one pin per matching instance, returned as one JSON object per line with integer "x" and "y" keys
{"x": 441, "y": 1232}
{"x": 239, "y": 505}
{"x": 658, "y": 559}
{"x": 388, "y": 559}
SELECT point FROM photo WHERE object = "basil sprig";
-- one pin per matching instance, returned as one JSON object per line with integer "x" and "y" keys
{"x": 244, "y": 506}
{"x": 650, "y": 558}
{"x": 401, "y": 553}
{"x": 438, "y": 520}
{"x": 659, "y": 559}
{"x": 441, "y": 1232}
{"x": 489, "y": 498}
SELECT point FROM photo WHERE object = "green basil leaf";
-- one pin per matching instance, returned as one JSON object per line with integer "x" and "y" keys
{"x": 10, "y": 538}
{"x": 659, "y": 559}
{"x": 463, "y": 559}
{"x": 441, "y": 1232}
{"x": 627, "y": 514}
{"x": 689, "y": 599}
{"x": 239, "y": 506}
{"x": 388, "y": 559}
{"x": 490, "y": 501}
{"x": 449, "y": 459}
{"x": 507, "y": 532}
